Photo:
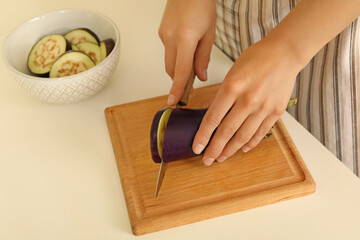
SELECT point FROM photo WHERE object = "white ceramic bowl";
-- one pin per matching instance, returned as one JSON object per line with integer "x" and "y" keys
{"x": 65, "y": 89}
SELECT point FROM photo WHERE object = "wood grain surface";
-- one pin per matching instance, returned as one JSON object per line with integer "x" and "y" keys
{"x": 273, "y": 171}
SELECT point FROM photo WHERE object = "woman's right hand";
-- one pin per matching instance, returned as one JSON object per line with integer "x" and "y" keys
{"x": 187, "y": 31}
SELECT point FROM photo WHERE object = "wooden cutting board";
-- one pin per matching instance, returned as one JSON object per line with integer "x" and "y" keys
{"x": 273, "y": 171}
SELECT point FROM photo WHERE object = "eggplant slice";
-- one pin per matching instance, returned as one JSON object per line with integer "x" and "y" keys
{"x": 80, "y": 35}
{"x": 74, "y": 47}
{"x": 70, "y": 63}
{"x": 45, "y": 52}
{"x": 153, "y": 136}
{"x": 161, "y": 130}
{"x": 91, "y": 49}
{"x": 106, "y": 47}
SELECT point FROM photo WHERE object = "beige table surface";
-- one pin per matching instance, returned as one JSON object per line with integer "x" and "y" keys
{"x": 58, "y": 176}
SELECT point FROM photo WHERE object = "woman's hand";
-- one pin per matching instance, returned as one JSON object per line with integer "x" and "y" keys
{"x": 250, "y": 100}
{"x": 187, "y": 31}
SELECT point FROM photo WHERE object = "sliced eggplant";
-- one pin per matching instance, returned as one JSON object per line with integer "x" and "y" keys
{"x": 154, "y": 136}
{"x": 180, "y": 129}
{"x": 44, "y": 53}
{"x": 80, "y": 35}
{"x": 106, "y": 47}
{"x": 161, "y": 130}
{"x": 74, "y": 47}
{"x": 70, "y": 63}
{"x": 91, "y": 49}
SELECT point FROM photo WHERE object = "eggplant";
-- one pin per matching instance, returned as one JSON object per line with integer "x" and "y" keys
{"x": 70, "y": 63}
{"x": 91, "y": 49}
{"x": 106, "y": 46}
{"x": 44, "y": 53}
{"x": 180, "y": 126}
{"x": 180, "y": 131}
{"x": 74, "y": 47}
{"x": 80, "y": 35}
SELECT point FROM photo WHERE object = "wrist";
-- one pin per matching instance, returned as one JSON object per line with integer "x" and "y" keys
{"x": 286, "y": 53}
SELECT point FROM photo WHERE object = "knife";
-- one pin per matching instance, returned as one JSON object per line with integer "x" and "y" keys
{"x": 182, "y": 103}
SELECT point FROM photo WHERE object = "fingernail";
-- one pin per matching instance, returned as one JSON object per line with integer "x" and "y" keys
{"x": 171, "y": 100}
{"x": 246, "y": 149}
{"x": 198, "y": 148}
{"x": 205, "y": 74}
{"x": 221, "y": 159}
{"x": 208, "y": 161}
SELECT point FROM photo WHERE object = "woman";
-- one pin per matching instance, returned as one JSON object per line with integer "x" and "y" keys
{"x": 281, "y": 49}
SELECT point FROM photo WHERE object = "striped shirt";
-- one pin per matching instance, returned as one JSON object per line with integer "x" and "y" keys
{"x": 327, "y": 88}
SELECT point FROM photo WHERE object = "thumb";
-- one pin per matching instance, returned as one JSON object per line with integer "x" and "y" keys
{"x": 202, "y": 56}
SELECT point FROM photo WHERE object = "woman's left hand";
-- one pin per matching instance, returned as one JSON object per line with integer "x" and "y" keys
{"x": 250, "y": 100}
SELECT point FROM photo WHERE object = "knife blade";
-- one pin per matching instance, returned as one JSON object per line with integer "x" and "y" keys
{"x": 160, "y": 178}
{"x": 182, "y": 103}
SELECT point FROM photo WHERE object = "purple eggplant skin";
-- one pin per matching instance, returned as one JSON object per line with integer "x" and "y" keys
{"x": 92, "y": 33}
{"x": 68, "y": 45}
{"x": 180, "y": 132}
{"x": 109, "y": 45}
{"x": 153, "y": 136}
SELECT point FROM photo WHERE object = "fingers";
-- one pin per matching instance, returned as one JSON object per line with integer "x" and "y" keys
{"x": 252, "y": 131}
{"x": 241, "y": 128}
{"x": 202, "y": 56}
{"x": 228, "y": 127}
{"x": 264, "y": 128}
{"x": 183, "y": 66}
{"x": 247, "y": 122}
{"x": 221, "y": 105}
{"x": 170, "y": 60}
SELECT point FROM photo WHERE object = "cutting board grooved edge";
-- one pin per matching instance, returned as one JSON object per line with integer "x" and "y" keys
{"x": 233, "y": 195}
{"x": 283, "y": 140}
{"x": 126, "y": 177}
{"x": 233, "y": 205}
{"x": 300, "y": 161}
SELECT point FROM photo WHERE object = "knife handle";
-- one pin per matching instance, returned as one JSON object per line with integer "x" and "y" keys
{"x": 185, "y": 97}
